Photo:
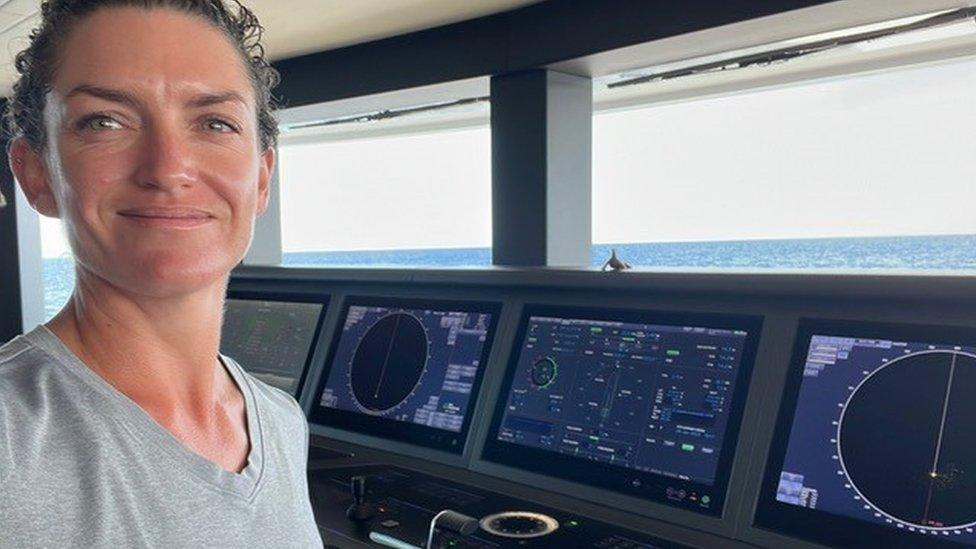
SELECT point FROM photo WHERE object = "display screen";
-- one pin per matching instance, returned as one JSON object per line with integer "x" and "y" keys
{"x": 877, "y": 430}
{"x": 408, "y": 370}
{"x": 272, "y": 340}
{"x": 644, "y": 403}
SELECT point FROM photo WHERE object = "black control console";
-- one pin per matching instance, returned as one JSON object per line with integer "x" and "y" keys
{"x": 318, "y": 453}
{"x": 402, "y": 503}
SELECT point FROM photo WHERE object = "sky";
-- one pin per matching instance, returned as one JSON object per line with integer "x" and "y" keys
{"x": 871, "y": 155}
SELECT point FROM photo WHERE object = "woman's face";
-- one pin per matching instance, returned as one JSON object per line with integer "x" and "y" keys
{"x": 153, "y": 159}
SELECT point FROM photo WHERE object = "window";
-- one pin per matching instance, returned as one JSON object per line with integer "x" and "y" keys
{"x": 393, "y": 187}
{"x": 58, "y": 266}
{"x": 420, "y": 199}
{"x": 869, "y": 171}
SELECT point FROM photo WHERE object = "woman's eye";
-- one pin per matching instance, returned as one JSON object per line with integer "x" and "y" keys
{"x": 99, "y": 123}
{"x": 217, "y": 125}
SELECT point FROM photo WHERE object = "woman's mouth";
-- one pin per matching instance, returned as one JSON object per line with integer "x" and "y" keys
{"x": 167, "y": 217}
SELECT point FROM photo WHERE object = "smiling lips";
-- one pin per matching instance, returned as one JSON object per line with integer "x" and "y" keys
{"x": 169, "y": 217}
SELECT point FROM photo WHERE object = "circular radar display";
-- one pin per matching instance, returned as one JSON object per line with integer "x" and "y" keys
{"x": 543, "y": 372}
{"x": 389, "y": 362}
{"x": 906, "y": 440}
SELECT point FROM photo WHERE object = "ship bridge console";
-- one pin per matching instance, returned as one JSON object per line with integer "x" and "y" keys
{"x": 573, "y": 409}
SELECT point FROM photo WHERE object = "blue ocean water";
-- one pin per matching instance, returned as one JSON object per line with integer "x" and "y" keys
{"x": 901, "y": 252}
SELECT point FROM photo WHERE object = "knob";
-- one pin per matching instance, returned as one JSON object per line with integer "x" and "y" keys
{"x": 360, "y": 510}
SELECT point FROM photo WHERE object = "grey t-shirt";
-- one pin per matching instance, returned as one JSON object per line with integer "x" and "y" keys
{"x": 82, "y": 465}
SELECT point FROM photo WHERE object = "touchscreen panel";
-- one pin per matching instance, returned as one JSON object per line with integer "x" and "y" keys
{"x": 407, "y": 370}
{"x": 637, "y": 402}
{"x": 272, "y": 339}
{"x": 876, "y": 438}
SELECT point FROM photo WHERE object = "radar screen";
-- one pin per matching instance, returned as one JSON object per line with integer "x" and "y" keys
{"x": 876, "y": 438}
{"x": 643, "y": 403}
{"x": 272, "y": 340}
{"x": 407, "y": 370}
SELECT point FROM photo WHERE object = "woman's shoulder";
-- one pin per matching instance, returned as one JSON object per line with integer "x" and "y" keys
{"x": 11, "y": 353}
{"x": 25, "y": 371}
{"x": 22, "y": 364}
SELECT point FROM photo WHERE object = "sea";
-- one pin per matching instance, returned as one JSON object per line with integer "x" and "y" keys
{"x": 925, "y": 253}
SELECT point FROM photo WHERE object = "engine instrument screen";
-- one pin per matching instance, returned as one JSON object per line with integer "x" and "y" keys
{"x": 272, "y": 340}
{"x": 407, "y": 370}
{"x": 643, "y": 403}
{"x": 877, "y": 433}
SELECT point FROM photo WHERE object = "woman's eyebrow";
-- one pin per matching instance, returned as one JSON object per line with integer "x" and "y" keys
{"x": 124, "y": 97}
{"x": 108, "y": 94}
{"x": 208, "y": 99}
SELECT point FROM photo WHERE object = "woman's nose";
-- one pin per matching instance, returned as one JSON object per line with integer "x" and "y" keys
{"x": 167, "y": 159}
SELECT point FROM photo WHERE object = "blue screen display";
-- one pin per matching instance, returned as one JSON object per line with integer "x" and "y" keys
{"x": 410, "y": 365}
{"x": 649, "y": 398}
{"x": 882, "y": 433}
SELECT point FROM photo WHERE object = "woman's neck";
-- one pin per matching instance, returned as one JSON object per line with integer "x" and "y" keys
{"x": 159, "y": 351}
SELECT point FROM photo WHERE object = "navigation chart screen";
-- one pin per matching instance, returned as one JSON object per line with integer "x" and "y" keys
{"x": 272, "y": 340}
{"x": 882, "y": 432}
{"x": 397, "y": 365}
{"x": 648, "y": 404}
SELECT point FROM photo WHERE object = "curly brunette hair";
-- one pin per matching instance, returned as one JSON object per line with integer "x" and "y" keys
{"x": 38, "y": 62}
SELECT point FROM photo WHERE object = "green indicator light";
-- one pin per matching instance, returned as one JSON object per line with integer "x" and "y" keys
{"x": 688, "y": 447}
{"x": 673, "y": 352}
{"x": 572, "y": 523}
{"x": 594, "y": 439}
{"x": 706, "y": 500}
{"x": 630, "y": 339}
{"x": 595, "y": 329}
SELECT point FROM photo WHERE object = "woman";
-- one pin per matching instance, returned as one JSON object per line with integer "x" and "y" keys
{"x": 146, "y": 126}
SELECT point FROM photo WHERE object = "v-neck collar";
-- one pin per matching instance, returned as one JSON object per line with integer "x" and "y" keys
{"x": 141, "y": 425}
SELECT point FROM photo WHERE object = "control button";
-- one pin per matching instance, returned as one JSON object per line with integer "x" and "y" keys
{"x": 390, "y": 523}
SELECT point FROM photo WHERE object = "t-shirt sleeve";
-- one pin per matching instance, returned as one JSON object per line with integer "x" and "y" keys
{"x": 304, "y": 420}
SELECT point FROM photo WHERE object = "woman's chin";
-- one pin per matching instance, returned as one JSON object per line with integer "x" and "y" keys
{"x": 159, "y": 271}
{"x": 169, "y": 276}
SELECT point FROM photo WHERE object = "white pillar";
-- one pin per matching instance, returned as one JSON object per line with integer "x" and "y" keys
{"x": 30, "y": 262}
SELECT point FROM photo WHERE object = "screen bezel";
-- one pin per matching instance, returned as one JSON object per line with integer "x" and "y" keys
{"x": 823, "y": 526}
{"x": 291, "y": 297}
{"x": 409, "y": 433}
{"x": 640, "y": 484}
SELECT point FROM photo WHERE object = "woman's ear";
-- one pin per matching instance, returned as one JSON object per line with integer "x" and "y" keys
{"x": 265, "y": 170}
{"x": 32, "y": 175}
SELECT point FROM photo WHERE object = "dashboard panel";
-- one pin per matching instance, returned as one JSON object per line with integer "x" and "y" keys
{"x": 874, "y": 438}
{"x": 919, "y": 312}
{"x": 273, "y": 335}
{"x": 407, "y": 370}
{"x": 646, "y": 403}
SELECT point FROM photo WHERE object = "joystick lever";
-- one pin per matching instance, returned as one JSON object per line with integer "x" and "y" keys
{"x": 359, "y": 510}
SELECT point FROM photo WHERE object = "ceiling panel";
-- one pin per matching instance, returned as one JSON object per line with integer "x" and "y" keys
{"x": 20, "y": 7}
{"x": 294, "y": 27}
{"x": 8, "y": 20}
